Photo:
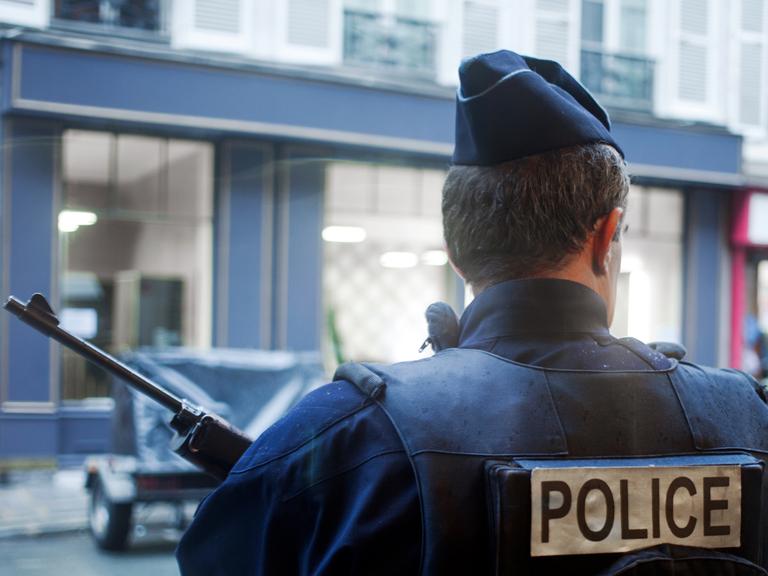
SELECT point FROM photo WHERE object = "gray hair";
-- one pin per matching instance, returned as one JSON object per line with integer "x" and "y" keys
{"x": 525, "y": 217}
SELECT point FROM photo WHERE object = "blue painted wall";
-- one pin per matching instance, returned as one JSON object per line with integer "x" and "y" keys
{"x": 165, "y": 90}
{"x": 77, "y": 77}
{"x": 244, "y": 217}
{"x": 298, "y": 298}
{"x": 31, "y": 166}
{"x": 69, "y": 433}
{"x": 28, "y": 436}
{"x": 676, "y": 147}
{"x": 704, "y": 211}
{"x": 83, "y": 431}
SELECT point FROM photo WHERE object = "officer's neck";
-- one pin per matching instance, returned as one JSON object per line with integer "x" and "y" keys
{"x": 579, "y": 268}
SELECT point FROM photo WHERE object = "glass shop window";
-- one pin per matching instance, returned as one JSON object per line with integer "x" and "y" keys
{"x": 140, "y": 17}
{"x": 649, "y": 299}
{"x": 396, "y": 35}
{"x": 135, "y": 237}
{"x": 383, "y": 260}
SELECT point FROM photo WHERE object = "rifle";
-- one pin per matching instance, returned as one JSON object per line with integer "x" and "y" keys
{"x": 204, "y": 439}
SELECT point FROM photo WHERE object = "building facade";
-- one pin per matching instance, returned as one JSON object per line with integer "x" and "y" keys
{"x": 256, "y": 174}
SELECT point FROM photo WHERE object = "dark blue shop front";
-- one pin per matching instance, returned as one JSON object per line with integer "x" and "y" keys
{"x": 269, "y": 135}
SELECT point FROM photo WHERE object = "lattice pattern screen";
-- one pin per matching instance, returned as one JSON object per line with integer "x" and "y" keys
{"x": 378, "y": 312}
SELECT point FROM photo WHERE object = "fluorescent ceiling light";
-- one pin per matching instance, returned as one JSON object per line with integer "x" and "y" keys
{"x": 347, "y": 234}
{"x": 398, "y": 259}
{"x": 630, "y": 263}
{"x": 434, "y": 258}
{"x": 71, "y": 220}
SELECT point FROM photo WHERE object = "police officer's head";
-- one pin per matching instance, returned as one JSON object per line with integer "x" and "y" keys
{"x": 538, "y": 185}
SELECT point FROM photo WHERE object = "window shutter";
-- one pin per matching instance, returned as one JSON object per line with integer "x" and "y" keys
{"x": 25, "y": 12}
{"x": 218, "y": 16}
{"x": 480, "y": 28}
{"x": 752, "y": 15}
{"x": 363, "y": 5}
{"x": 693, "y": 50}
{"x": 751, "y": 62}
{"x": 750, "y": 84}
{"x": 308, "y": 22}
{"x": 220, "y": 25}
{"x": 553, "y": 31}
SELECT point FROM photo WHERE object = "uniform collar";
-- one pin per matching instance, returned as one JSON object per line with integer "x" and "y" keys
{"x": 541, "y": 306}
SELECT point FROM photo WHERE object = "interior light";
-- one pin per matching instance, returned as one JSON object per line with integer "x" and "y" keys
{"x": 67, "y": 225}
{"x": 631, "y": 263}
{"x": 71, "y": 220}
{"x": 640, "y": 305}
{"x": 398, "y": 259}
{"x": 434, "y": 258}
{"x": 348, "y": 234}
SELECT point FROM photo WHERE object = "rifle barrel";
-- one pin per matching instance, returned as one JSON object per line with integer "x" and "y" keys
{"x": 48, "y": 324}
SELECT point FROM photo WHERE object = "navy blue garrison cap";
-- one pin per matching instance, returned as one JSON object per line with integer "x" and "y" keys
{"x": 510, "y": 106}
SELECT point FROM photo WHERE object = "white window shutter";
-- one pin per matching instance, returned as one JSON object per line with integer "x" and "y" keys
{"x": 308, "y": 23}
{"x": 220, "y": 25}
{"x": 312, "y": 31}
{"x": 218, "y": 16}
{"x": 751, "y": 56}
{"x": 34, "y": 13}
{"x": 692, "y": 72}
{"x": 750, "y": 83}
{"x": 693, "y": 67}
{"x": 480, "y": 28}
{"x": 553, "y": 32}
{"x": 753, "y": 16}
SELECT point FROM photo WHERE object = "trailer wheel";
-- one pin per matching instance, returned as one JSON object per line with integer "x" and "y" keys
{"x": 109, "y": 522}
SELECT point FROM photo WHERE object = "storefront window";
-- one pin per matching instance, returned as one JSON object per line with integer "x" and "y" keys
{"x": 754, "y": 357}
{"x": 136, "y": 247}
{"x": 762, "y": 295}
{"x": 384, "y": 262}
{"x": 649, "y": 301}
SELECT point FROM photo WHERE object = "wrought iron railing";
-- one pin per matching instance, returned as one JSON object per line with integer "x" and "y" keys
{"x": 124, "y": 16}
{"x": 390, "y": 42}
{"x": 619, "y": 80}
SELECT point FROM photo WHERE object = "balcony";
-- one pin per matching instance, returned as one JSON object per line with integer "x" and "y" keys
{"x": 619, "y": 81}
{"x": 124, "y": 17}
{"x": 391, "y": 43}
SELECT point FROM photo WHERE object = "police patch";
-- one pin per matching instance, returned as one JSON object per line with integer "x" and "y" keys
{"x": 618, "y": 509}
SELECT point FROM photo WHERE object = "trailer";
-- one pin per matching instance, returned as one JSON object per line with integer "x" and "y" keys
{"x": 249, "y": 388}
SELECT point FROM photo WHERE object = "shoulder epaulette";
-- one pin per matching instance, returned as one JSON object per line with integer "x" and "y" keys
{"x": 669, "y": 349}
{"x": 365, "y": 379}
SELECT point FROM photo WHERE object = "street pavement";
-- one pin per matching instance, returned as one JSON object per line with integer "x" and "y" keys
{"x": 43, "y": 524}
{"x": 35, "y": 502}
{"x": 73, "y": 553}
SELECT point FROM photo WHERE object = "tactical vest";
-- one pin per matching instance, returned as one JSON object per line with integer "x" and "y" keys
{"x": 461, "y": 412}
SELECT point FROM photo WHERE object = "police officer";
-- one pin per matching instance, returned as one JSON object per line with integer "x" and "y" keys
{"x": 385, "y": 470}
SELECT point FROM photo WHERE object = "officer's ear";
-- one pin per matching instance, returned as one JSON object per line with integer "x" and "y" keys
{"x": 606, "y": 232}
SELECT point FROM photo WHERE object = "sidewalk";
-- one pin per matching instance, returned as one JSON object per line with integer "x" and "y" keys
{"x": 43, "y": 501}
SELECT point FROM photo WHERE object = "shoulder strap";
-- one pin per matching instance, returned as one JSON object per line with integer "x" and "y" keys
{"x": 723, "y": 407}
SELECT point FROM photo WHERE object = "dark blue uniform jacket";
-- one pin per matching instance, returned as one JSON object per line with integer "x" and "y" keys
{"x": 329, "y": 489}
